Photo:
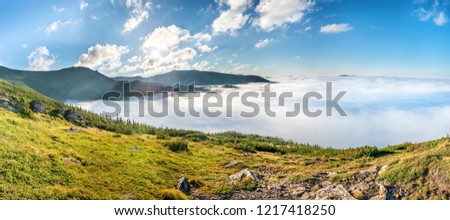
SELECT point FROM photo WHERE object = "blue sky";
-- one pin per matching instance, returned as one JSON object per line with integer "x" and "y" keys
{"x": 266, "y": 37}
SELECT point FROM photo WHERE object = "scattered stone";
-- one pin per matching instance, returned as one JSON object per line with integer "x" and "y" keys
{"x": 68, "y": 160}
{"x": 383, "y": 193}
{"x": 220, "y": 149}
{"x": 244, "y": 174}
{"x": 231, "y": 164}
{"x": 127, "y": 196}
{"x": 337, "y": 192}
{"x": 183, "y": 185}
{"x": 9, "y": 103}
{"x": 382, "y": 170}
{"x": 73, "y": 129}
{"x": 38, "y": 107}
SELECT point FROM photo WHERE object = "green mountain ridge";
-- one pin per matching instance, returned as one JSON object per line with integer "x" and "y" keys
{"x": 44, "y": 156}
{"x": 201, "y": 78}
{"x": 79, "y": 83}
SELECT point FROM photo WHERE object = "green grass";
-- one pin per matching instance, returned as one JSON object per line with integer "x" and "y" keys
{"x": 40, "y": 159}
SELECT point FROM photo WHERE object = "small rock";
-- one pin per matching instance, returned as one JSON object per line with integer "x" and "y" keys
{"x": 231, "y": 163}
{"x": 220, "y": 149}
{"x": 337, "y": 192}
{"x": 65, "y": 159}
{"x": 127, "y": 196}
{"x": 243, "y": 174}
{"x": 38, "y": 107}
{"x": 382, "y": 170}
{"x": 183, "y": 185}
{"x": 72, "y": 129}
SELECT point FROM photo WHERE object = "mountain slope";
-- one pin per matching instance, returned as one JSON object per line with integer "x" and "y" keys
{"x": 201, "y": 78}
{"x": 43, "y": 156}
{"x": 75, "y": 83}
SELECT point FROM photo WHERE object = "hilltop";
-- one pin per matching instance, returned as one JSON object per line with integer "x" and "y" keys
{"x": 201, "y": 78}
{"x": 79, "y": 83}
{"x": 50, "y": 156}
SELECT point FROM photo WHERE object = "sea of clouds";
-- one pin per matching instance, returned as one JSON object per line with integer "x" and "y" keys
{"x": 381, "y": 111}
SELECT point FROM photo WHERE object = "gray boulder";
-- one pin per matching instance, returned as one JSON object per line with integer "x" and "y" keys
{"x": 38, "y": 107}
{"x": 9, "y": 103}
{"x": 244, "y": 174}
{"x": 183, "y": 185}
{"x": 337, "y": 192}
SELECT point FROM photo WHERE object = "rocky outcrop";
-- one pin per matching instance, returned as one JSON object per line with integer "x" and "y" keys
{"x": 333, "y": 192}
{"x": 38, "y": 107}
{"x": 360, "y": 185}
{"x": 183, "y": 185}
{"x": 10, "y": 103}
{"x": 76, "y": 119}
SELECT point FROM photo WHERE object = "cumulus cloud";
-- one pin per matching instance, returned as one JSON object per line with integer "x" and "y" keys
{"x": 231, "y": 19}
{"x": 263, "y": 43}
{"x": 206, "y": 48}
{"x": 105, "y": 57}
{"x": 83, "y": 5}
{"x": 41, "y": 59}
{"x": 139, "y": 14}
{"x": 179, "y": 55}
{"x": 335, "y": 28}
{"x": 276, "y": 13}
{"x": 164, "y": 39}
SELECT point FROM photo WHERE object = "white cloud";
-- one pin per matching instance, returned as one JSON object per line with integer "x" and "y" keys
{"x": 436, "y": 12}
{"x": 232, "y": 19}
{"x": 202, "y": 66}
{"x": 58, "y": 10}
{"x": 263, "y": 43}
{"x": 24, "y": 46}
{"x": 440, "y": 19}
{"x": 107, "y": 57}
{"x": 83, "y": 5}
{"x": 41, "y": 59}
{"x": 138, "y": 15}
{"x": 95, "y": 18}
{"x": 202, "y": 37}
{"x": 179, "y": 55}
{"x": 135, "y": 59}
{"x": 335, "y": 28}
{"x": 308, "y": 28}
{"x": 276, "y": 13}
{"x": 53, "y": 27}
{"x": 206, "y": 48}
{"x": 163, "y": 39}
{"x": 199, "y": 39}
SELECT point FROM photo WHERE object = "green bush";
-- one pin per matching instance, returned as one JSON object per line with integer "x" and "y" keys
{"x": 177, "y": 145}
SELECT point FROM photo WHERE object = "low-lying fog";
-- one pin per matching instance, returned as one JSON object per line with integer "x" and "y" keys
{"x": 381, "y": 111}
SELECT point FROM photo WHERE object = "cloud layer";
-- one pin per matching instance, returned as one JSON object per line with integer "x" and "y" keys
{"x": 381, "y": 111}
